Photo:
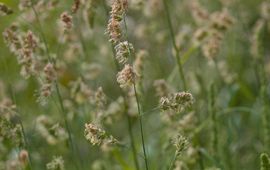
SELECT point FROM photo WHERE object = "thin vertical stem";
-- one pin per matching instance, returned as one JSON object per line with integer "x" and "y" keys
{"x": 13, "y": 97}
{"x": 212, "y": 114}
{"x": 173, "y": 162}
{"x": 141, "y": 125}
{"x": 71, "y": 143}
{"x": 137, "y": 101}
{"x": 177, "y": 56}
{"x": 131, "y": 135}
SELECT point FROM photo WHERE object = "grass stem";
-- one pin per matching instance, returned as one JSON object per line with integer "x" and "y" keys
{"x": 177, "y": 56}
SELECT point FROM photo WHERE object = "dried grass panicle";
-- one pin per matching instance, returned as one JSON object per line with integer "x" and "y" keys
{"x": 76, "y": 5}
{"x": 13, "y": 39}
{"x": 7, "y": 108}
{"x": 66, "y": 20}
{"x": 177, "y": 102}
{"x": 11, "y": 133}
{"x": 126, "y": 77}
{"x": 180, "y": 143}
{"x": 123, "y": 51}
{"x": 211, "y": 47}
{"x": 97, "y": 136}
{"x": 199, "y": 13}
{"x": 47, "y": 83}
{"x": 119, "y": 7}
{"x": 24, "y": 47}
{"x": 138, "y": 65}
{"x": 56, "y": 164}
{"x": 221, "y": 20}
{"x": 100, "y": 99}
{"x": 27, "y": 58}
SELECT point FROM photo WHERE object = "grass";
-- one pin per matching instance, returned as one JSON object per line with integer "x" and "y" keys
{"x": 198, "y": 98}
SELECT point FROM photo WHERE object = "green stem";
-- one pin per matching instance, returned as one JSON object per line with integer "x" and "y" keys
{"x": 177, "y": 56}
{"x": 137, "y": 101}
{"x": 141, "y": 125}
{"x": 173, "y": 162}
{"x": 71, "y": 142}
{"x": 131, "y": 135}
{"x": 212, "y": 113}
{"x": 19, "y": 118}
{"x": 56, "y": 85}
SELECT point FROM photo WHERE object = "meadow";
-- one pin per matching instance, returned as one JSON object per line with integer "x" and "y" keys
{"x": 134, "y": 84}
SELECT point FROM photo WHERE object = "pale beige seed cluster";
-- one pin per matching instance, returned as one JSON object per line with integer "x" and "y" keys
{"x": 177, "y": 102}
{"x": 56, "y": 164}
{"x": 119, "y": 7}
{"x": 126, "y": 77}
{"x": 66, "y": 20}
{"x": 47, "y": 84}
{"x": 180, "y": 143}
{"x": 97, "y": 136}
{"x": 123, "y": 51}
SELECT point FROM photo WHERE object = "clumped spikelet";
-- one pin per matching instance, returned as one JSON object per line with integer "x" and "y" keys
{"x": 211, "y": 47}
{"x": 66, "y": 20}
{"x": 7, "y": 108}
{"x": 12, "y": 39}
{"x": 76, "y": 5}
{"x": 177, "y": 102}
{"x": 221, "y": 20}
{"x": 180, "y": 143}
{"x": 123, "y": 51}
{"x": 97, "y": 136}
{"x": 139, "y": 63}
{"x": 100, "y": 98}
{"x": 126, "y": 77}
{"x": 199, "y": 14}
{"x": 5, "y": 10}
{"x": 27, "y": 59}
{"x": 47, "y": 84}
{"x": 10, "y": 132}
{"x": 119, "y": 7}
{"x": 56, "y": 164}
{"x": 200, "y": 35}
{"x": 114, "y": 31}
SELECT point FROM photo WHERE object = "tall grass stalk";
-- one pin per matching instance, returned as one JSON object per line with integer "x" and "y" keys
{"x": 212, "y": 114}
{"x": 173, "y": 162}
{"x": 137, "y": 102}
{"x": 263, "y": 82}
{"x": 13, "y": 97}
{"x": 130, "y": 132}
{"x": 50, "y": 59}
{"x": 177, "y": 55}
